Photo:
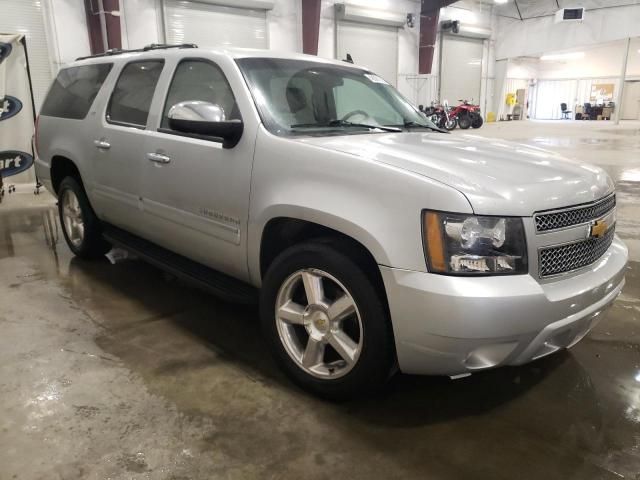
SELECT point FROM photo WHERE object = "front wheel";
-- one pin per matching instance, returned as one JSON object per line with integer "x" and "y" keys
{"x": 464, "y": 121}
{"x": 325, "y": 322}
{"x": 450, "y": 124}
{"x": 80, "y": 226}
{"x": 477, "y": 121}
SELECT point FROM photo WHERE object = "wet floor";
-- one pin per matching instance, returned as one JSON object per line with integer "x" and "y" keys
{"x": 118, "y": 371}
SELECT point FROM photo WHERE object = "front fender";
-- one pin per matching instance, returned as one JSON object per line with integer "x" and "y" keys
{"x": 326, "y": 219}
{"x": 376, "y": 204}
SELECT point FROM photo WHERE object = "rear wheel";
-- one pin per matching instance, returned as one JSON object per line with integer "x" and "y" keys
{"x": 477, "y": 120}
{"x": 80, "y": 226}
{"x": 325, "y": 322}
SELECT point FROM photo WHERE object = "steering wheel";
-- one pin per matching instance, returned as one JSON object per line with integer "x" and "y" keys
{"x": 354, "y": 112}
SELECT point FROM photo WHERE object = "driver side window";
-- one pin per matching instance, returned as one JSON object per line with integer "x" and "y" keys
{"x": 353, "y": 95}
{"x": 200, "y": 80}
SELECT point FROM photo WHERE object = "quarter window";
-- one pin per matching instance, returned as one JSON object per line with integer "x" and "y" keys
{"x": 132, "y": 95}
{"x": 74, "y": 90}
{"x": 203, "y": 81}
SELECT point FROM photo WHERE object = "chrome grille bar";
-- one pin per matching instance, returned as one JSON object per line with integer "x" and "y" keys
{"x": 565, "y": 258}
{"x": 567, "y": 217}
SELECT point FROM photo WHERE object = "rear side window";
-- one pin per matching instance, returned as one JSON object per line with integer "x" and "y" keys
{"x": 132, "y": 95}
{"x": 74, "y": 90}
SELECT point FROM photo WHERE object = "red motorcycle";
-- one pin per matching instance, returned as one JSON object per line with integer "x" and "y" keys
{"x": 466, "y": 115}
{"x": 439, "y": 114}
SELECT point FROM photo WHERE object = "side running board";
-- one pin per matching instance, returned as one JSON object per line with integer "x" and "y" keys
{"x": 221, "y": 285}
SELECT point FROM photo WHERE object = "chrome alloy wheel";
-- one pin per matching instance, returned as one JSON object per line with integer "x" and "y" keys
{"x": 72, "y": 218}
{"x": 319, "y": 324}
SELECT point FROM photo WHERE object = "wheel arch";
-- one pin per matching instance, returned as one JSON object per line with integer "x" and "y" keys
{"x": 283, "y": 231}
{"x": 61, "y": 167}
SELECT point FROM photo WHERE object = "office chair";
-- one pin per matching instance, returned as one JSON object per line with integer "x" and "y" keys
{"x": 565, "y": 112}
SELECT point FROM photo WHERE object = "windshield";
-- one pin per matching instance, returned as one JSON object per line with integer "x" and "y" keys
{"x": 298, "y": 97}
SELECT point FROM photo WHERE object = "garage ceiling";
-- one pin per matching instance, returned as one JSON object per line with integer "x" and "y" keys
{"x": 538, "y": 8}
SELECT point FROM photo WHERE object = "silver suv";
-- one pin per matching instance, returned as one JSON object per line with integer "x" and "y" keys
{"x": 373, "y": 240}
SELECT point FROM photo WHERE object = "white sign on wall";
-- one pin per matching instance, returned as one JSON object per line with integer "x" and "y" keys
{"x": 16, "y": 111}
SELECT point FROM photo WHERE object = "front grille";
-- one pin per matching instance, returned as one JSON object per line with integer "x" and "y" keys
{"x": 574, "y": 215}
{"x": 564, "y": 258}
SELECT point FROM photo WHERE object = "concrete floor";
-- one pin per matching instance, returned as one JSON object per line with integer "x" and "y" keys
{"x": 119, "y": 372}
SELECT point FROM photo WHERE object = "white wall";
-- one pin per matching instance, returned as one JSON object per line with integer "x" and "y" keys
{"x": 601, "y": 61}
{"x": 141, "y": 23}
{"x": 523, "y": 68}
{"x": 285, "y": 26}
{"x": 540, "y": 35}
{"x": 469, "y": 12}
{"x": 66, "y": 24}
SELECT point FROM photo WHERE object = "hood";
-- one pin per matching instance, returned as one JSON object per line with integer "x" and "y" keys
{"x": 497, "y": 177}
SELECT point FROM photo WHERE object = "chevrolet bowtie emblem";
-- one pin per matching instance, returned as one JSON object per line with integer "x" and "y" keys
{"x": 598, "y": 229}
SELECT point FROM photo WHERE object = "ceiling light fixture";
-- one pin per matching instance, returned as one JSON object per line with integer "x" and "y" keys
{"x": 563, "y": 56}
{"x": 501, "y": 1}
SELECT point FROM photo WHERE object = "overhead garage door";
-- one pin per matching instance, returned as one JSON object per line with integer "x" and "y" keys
{"x": 372, "y": 46}
{"x": 214, "y": 25}
{"x": 25, "y": 16}
{"x": 461, "y": 65}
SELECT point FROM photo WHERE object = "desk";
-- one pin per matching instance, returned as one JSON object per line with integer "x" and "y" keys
{"x": 604, "y": 112}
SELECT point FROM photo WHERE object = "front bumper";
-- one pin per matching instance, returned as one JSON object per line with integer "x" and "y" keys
{"x": 447, "y": 325}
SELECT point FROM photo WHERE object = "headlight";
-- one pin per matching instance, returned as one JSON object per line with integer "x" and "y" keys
{"x": 460, "y": 244}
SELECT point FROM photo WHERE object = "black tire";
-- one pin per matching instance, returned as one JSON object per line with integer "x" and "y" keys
{"x": 377, "y": 357}
{"x": 92, "y": 245}
{"x": 477, "y": 121}
{"x": 464, "y": 121}
{"x": 451, "y": 125}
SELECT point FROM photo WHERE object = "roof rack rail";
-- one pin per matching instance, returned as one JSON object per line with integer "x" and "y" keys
{"x": 153, "y": 46}
{"x": 160, "y": 46}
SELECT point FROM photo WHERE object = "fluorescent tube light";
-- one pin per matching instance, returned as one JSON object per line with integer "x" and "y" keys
{"x": 563, "y": 56}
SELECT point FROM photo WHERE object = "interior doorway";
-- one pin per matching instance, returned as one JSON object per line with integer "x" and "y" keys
{"x": 631, "y": 101}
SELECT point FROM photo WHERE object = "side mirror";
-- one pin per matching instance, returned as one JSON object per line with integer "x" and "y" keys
{"x": 203, "y": 118}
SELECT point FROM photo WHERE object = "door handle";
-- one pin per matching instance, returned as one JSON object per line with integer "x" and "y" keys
{"x": 158, "y": 158}
{"x": 102, "y": 144}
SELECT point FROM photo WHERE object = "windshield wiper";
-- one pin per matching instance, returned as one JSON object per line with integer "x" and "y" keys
{"x": 344, "y": 123}
{"x": 412, "y": 124}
